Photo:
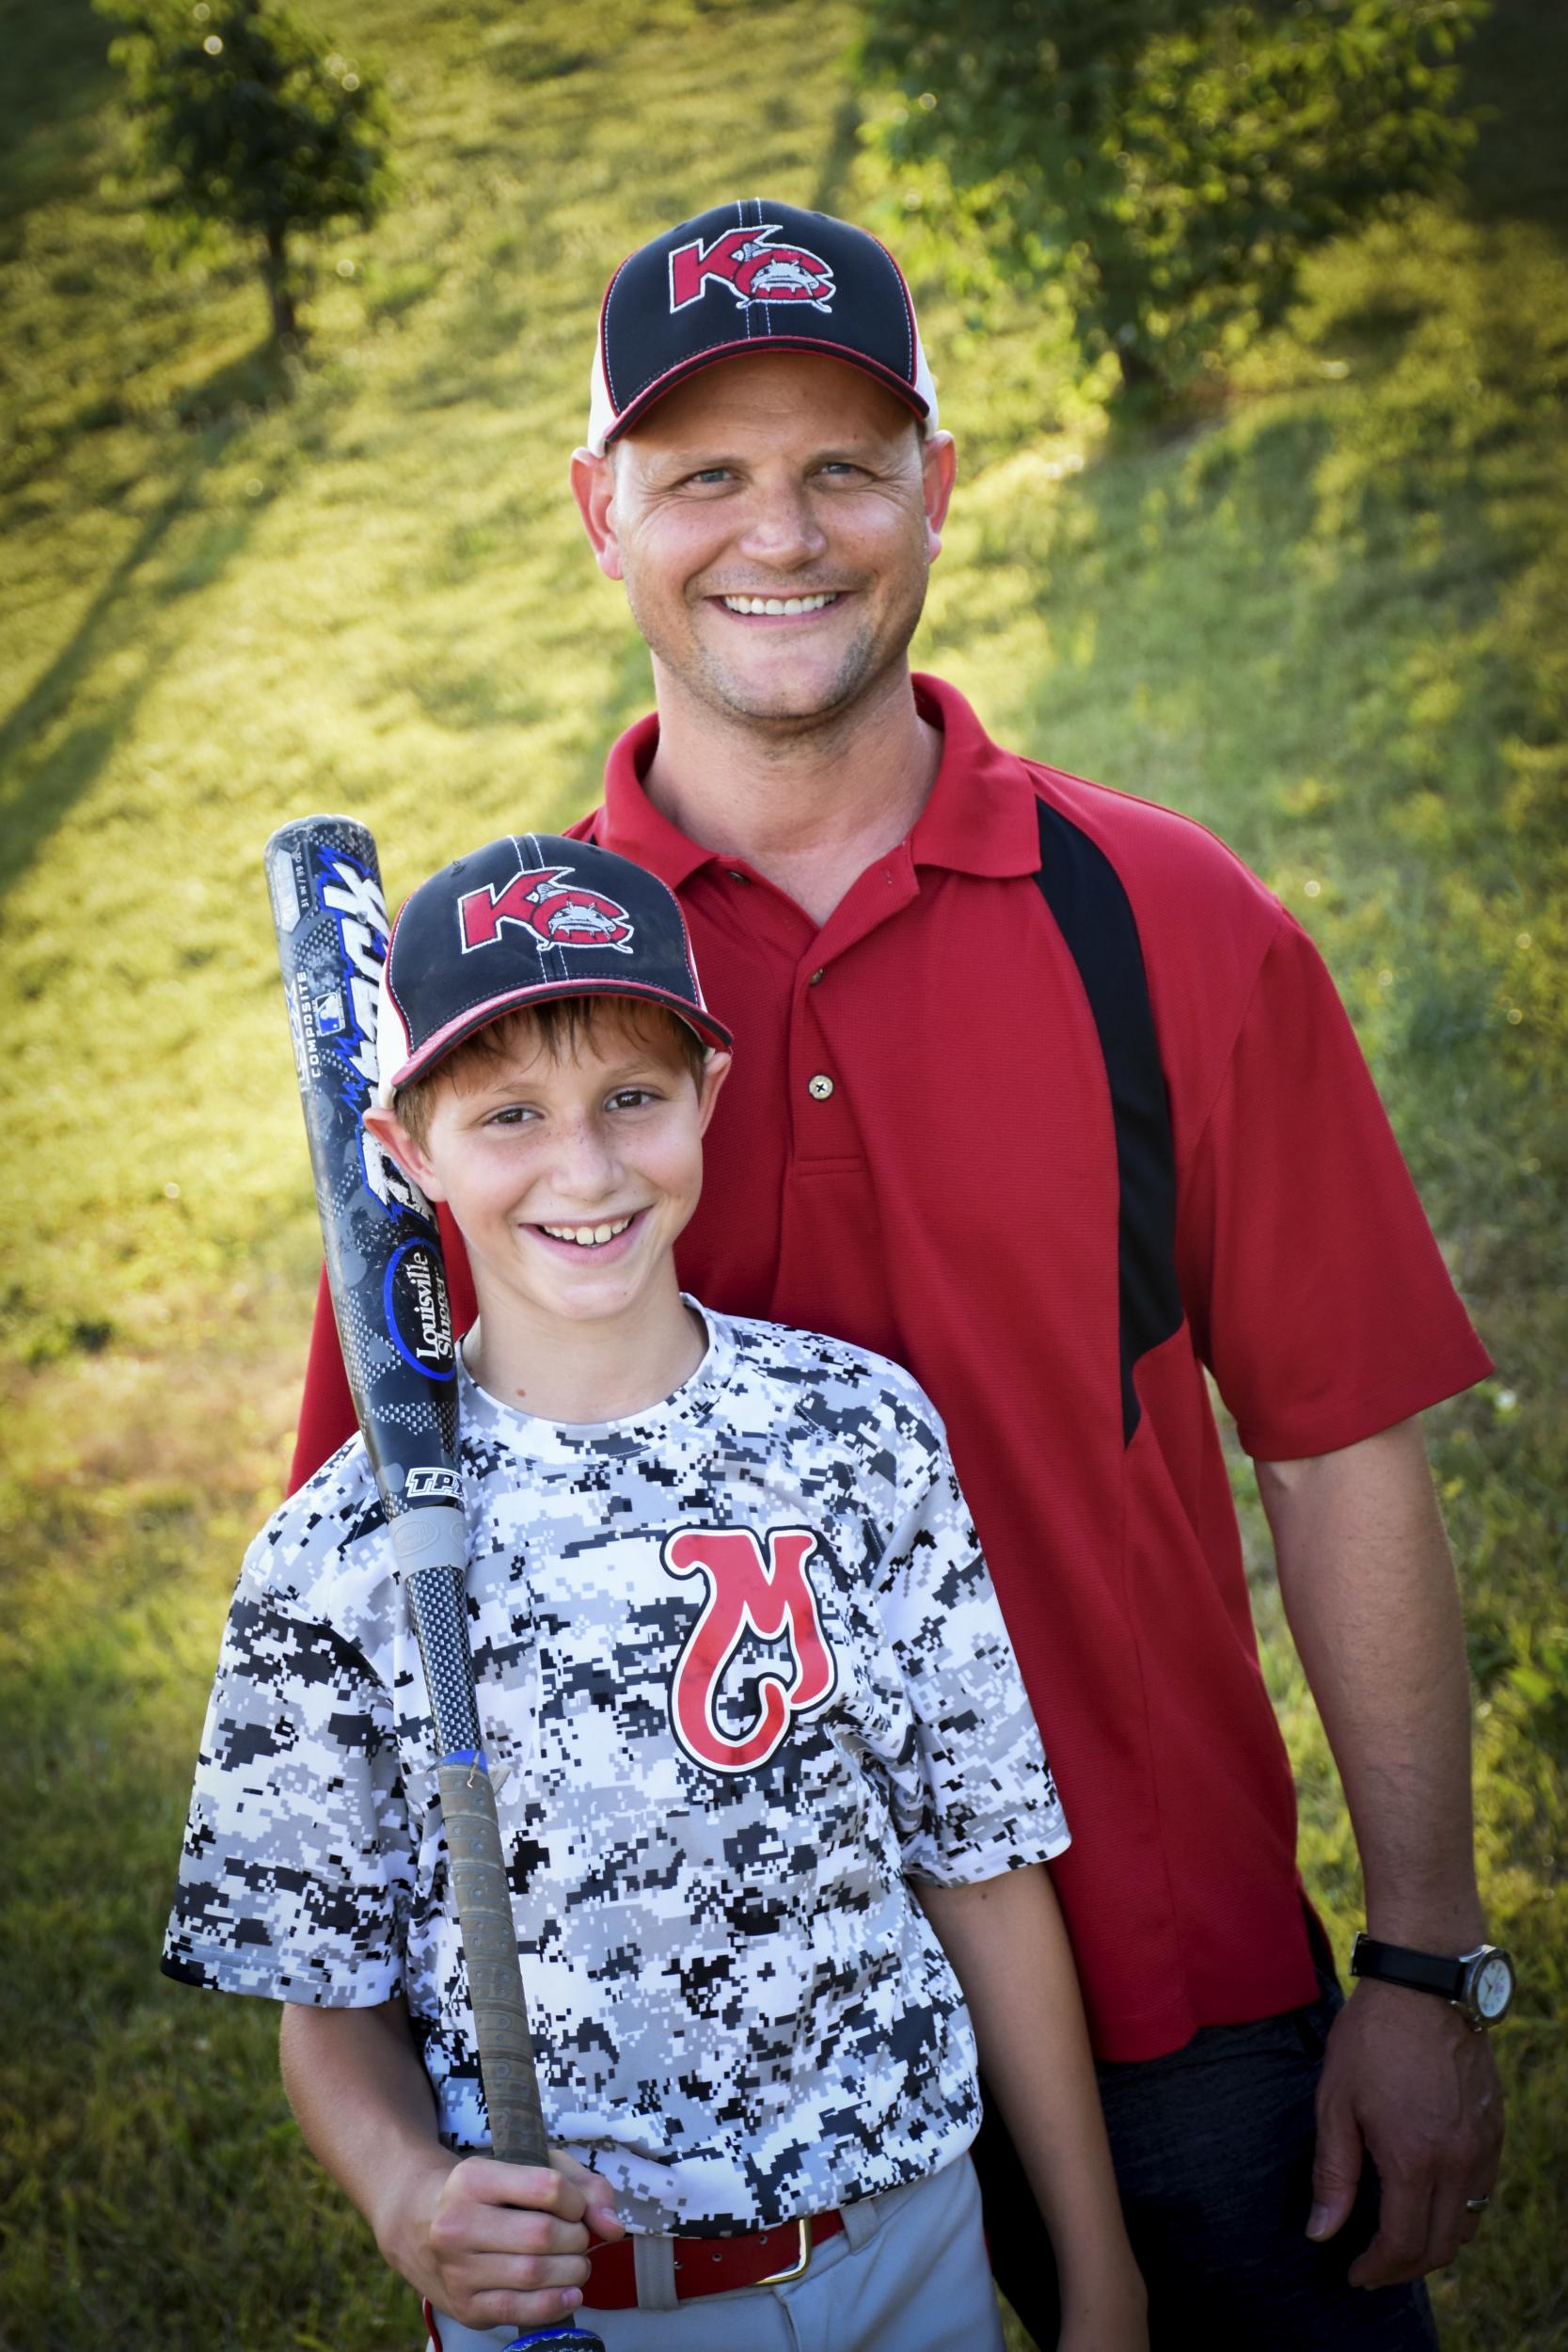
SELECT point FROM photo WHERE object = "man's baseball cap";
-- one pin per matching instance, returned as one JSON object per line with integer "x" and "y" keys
{"x": 519, "y": 922}
{"x": 745, "y": 276}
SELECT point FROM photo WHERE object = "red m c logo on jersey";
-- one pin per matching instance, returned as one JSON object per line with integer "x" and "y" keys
{"x": 771, "y": 1595}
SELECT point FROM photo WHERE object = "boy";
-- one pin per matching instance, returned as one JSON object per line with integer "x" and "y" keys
{"x": 761, "y": 1728}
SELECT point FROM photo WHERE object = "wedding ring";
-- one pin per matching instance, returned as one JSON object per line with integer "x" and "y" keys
{"x": 1477, "y": 2204}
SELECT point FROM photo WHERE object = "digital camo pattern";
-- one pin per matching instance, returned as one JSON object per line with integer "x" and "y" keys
{"x": 739, "y": 1669}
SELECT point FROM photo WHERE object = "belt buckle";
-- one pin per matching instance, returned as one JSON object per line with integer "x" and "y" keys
{"x": 797, "y": 2270}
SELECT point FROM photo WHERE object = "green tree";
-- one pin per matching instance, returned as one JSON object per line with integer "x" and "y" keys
{"x": 241, "y": 119}
{"x": 1170, "y": 160}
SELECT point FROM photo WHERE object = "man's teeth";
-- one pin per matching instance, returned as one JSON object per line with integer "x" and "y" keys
{"x": 780, "y": 604}
{"x": 585, "y": 1235}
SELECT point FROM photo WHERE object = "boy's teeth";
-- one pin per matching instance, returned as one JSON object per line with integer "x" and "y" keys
{"x": 779, "y": 604}
{"x": 585, "y": 1235}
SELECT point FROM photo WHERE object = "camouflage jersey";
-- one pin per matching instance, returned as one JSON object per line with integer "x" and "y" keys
{"x": 740, "y": 1671}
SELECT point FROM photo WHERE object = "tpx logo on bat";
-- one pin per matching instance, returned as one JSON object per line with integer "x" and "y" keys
{"x": 753, "y": 270}
{"x": 772, "y": 1596}
{"x": 555, "y": 917}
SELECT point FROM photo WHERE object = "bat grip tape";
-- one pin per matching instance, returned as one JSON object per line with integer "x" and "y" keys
{"x": 430, "y": 1554}
{"x": 482, "y": 1899}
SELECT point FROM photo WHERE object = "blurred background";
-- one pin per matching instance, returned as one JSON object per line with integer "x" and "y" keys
{"x": 1252, "y": 323}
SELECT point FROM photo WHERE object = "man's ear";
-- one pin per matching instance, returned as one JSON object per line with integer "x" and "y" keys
{"x": 396, "y": 1142}
{"x": 715, "y": 1071}
{"x": 594, "y": 488}
{"x": 939, "y": 460}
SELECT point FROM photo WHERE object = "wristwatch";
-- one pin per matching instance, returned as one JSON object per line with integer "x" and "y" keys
{"x": 1480, "y": 1983}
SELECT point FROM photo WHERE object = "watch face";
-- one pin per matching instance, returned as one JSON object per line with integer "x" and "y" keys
{"x": 1494, "y": 1986}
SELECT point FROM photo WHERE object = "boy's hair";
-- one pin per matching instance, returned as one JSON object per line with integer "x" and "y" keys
{"x": 558, "y": 1026}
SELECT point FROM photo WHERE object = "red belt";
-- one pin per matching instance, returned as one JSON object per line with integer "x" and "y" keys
{"x": 712, "y": 2266}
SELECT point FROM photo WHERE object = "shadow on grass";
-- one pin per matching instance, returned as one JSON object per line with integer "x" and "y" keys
{"x": 42, "y": 785}
{"x": 57, "y": 74}
{"x": 1515, "y": 74}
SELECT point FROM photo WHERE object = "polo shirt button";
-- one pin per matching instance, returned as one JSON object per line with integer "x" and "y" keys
{"x": 819, "y": 1088}
{"x": 817, "y": 975}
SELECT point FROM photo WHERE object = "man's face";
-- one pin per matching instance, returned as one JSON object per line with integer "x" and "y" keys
{"x": 774, "y": 520}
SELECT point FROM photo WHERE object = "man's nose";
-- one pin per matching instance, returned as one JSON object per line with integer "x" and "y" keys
{"x": 782, "y": 529}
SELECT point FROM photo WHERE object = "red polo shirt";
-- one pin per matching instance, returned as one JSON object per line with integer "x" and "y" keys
{"x": 933, "y": 1144}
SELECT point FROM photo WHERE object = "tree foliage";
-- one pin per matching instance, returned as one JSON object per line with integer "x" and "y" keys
{"x": 1170, "y": 160}
{"x": 241, "y": 118}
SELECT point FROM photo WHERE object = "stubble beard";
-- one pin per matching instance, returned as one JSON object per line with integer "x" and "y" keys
{"x": 786, "y": 713}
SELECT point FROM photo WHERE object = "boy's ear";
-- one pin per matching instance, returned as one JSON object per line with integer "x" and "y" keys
{"x": 394, "y": 1138}
{"x": 715, "y": 1071}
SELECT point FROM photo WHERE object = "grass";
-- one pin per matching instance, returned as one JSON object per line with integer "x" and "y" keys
{"x": 1330, "y": 623}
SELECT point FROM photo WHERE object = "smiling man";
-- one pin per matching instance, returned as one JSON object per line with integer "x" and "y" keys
{"x": 1039, "y": 1091}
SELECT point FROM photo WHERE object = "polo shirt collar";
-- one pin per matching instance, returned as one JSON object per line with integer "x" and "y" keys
{"x": 981, "y": 817}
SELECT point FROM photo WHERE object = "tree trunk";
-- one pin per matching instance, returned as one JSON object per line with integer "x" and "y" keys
{"x": 275, "y": 276}
{"x": 1138, "y": 375}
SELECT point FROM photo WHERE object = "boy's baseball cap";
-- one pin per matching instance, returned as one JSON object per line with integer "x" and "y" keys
{"x": 745, "y": 276}
{"x": 519, "y": 922}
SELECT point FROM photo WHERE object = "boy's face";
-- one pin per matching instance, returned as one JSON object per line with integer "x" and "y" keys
{"x": 570, "y": 1177}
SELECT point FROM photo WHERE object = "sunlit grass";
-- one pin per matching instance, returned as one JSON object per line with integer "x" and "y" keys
{"x": 1333, "y": 623}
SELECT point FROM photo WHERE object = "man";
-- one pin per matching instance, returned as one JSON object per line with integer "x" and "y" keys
{"x": 1039, "y": 1091}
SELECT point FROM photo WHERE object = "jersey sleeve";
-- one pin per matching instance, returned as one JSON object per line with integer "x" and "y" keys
{"x": 1317, "y": 1294}
{"x": 974, "y": 1795}
{"x": 295, "y": 1875}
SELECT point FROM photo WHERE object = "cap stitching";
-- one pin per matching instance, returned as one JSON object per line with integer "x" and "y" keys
{"x": 904, "y": 292}
{"x": 604, "y": 335}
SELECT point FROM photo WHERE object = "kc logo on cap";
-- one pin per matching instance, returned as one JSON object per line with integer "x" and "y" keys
{"x": 555, "y": 917}
{"x": 754, "y": 269}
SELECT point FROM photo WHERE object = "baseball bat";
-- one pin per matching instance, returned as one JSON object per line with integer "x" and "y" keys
{"x": 388, "y": 1288}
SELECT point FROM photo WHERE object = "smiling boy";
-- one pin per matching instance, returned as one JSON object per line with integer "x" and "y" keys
{"x": 770, "y": 1785}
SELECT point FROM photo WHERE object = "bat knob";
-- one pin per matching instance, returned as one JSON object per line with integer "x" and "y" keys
{"x": 562, "y": 2337}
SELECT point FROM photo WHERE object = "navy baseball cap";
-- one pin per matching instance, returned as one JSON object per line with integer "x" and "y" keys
{"x": 519, "y": 922}
{"x": 745, "y": 276}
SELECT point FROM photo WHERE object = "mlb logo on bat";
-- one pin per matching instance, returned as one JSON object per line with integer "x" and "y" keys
{"x": 331, "y": 1019}
{"x": 752, "y": 269}
{"x": 539, "y": 903}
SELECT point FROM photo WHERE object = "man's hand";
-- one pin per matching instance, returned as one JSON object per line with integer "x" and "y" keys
{"x": 505, "y": 2245}
{"x": 1406, "y": 2081}
{"x": 1369, "y": 1589}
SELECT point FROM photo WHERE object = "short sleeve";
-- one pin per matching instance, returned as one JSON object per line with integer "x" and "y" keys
{"x": 1316, "y": 1291}
{"x": 295, "y": 1871}
{"x": 974, "y": 1796}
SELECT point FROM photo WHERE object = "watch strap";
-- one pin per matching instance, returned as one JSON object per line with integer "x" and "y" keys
{"x": 1396, "y": 1963}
